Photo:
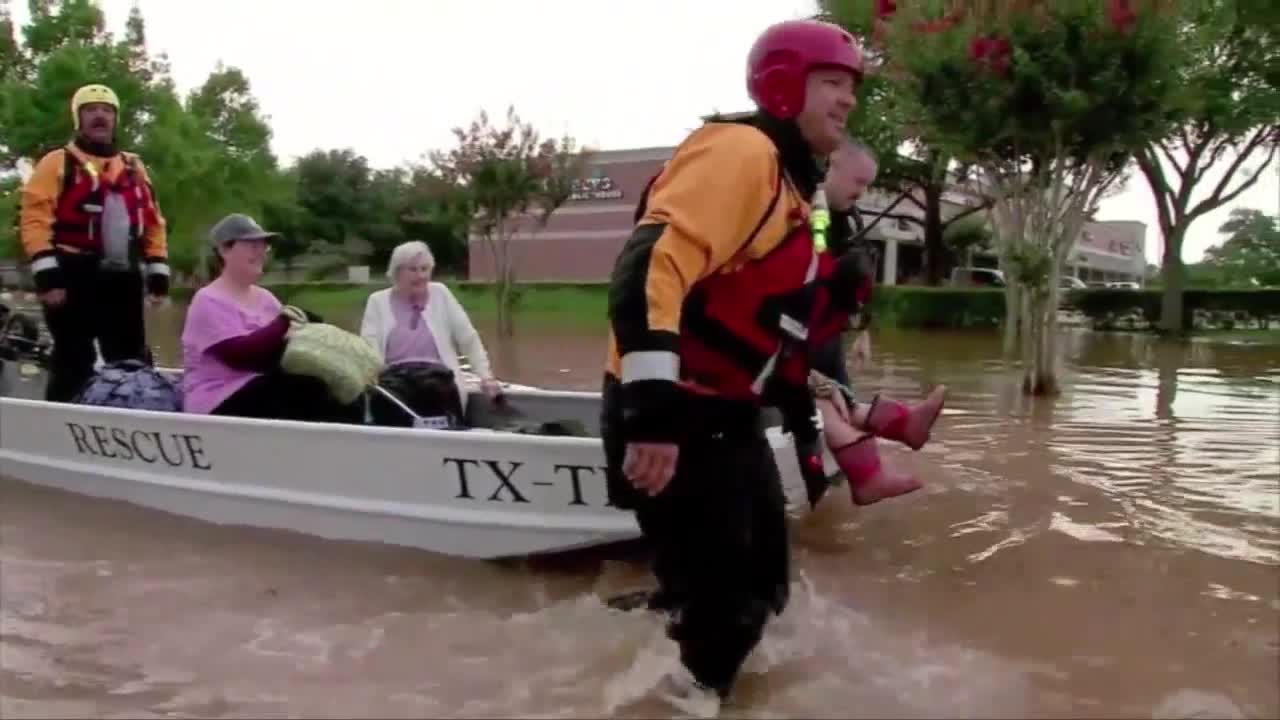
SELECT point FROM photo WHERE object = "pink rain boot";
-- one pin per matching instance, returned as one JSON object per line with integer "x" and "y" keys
{"x": 907, "y": 424}
{"x": 868, "y": 481}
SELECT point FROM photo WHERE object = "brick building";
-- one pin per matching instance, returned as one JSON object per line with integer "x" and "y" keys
{"x": 582, "y": 239}
{"x": 584, "y": 236}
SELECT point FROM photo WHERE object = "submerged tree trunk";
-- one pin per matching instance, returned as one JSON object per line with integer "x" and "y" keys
{"x": 1030, "y": 333}
{"x": 1040, "y": 371}
{"x": 506, "y": 298}
{"x": 500, "y": 251}
{"x": 1038, "y": 213}
{"x": 499, "y": 301}
{"x": 936, "y": 256}
{"x": 510, "y": 303}
{"x": 1012, "y": 318}
{"x": 1173, "y": 278}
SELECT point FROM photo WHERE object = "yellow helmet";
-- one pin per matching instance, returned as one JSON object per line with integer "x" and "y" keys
{"x": 92, "y": 94}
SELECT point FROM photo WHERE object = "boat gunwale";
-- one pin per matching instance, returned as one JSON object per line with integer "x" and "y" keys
{"x": 478, "y": 436}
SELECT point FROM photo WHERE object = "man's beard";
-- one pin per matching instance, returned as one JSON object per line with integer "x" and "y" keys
{"x": 93, "y": 147}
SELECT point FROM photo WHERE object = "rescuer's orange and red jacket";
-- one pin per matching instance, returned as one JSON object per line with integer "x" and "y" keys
{"x": 62, "y": 213}
{"x": 719, "y": 295}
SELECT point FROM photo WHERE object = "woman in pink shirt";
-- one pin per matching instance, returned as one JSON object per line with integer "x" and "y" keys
{"x": 234, "y": 336}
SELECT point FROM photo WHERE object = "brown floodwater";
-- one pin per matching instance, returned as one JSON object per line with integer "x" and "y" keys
{"x": 1112, "y": 552}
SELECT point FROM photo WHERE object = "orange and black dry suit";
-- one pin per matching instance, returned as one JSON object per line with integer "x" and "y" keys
{"x": 715, "y": 302}
{"x": 90, "y": 224}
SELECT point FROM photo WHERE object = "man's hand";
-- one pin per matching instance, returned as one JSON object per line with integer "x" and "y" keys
{"x": 491, "y": 387}
{"x": 649, "y": 466}
{"x": 157, "y": 301}
{"x": 54, "y": 297}
{"x": 861, "y": 350}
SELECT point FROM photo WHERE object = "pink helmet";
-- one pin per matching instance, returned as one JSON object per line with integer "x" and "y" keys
{"x": 781, "y": 58}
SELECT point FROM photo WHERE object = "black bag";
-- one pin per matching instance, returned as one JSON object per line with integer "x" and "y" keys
{"x": 20, "y": 336}
{"x": 555, "y": 428}
{"x": 426, "y": 388}
{"x": 501, "y": 415}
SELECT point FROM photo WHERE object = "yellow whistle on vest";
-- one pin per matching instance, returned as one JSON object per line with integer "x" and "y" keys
{"x": 820, "y": 220}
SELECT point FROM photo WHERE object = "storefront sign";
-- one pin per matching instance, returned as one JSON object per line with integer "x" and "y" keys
{"x": 1108, "y": 243}
{"x": 599, "y": 187}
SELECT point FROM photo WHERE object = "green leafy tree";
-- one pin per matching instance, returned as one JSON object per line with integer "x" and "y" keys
{"x": 1228, "y": 112}
{"x": 356, "y": 210}
{"x": 426, "y": 217}
{"x": 331, "y": 188}
{"x": 10, "y": 248}
{"x": 384, "y": 209}
{"x": 504, "y": 180}
{"x": 65, "y": 45}
{"x": 967, "y": 235}
{"x": 208, "y": 157}
{"x": 1045, "y": 99}
{"x": 151, "y": 70}
{"x": 1251, "y": 253}
{"x": 11, "y": 58}
{"x": 282, "y": 213}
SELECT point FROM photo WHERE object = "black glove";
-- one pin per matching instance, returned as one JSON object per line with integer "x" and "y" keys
{"x": 157, "y": 285}
{"x": 651, "y": 411}
{"x": 853, "y": 272}
{"x": 799, "y": 412}
{"x": 816, "y": 484}
{"x": 50, "y": 278}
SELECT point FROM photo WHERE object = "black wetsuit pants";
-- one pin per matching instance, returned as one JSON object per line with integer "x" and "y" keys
{"x": 102, "y": 305}
{"x": 718, "y": 534}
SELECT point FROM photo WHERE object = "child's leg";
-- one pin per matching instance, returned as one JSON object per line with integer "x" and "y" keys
{"x": 857, "y": 455}
{"x": 907, "y": 424}
{"x": 883, "y": 417}
{"x": 869, "y": 480}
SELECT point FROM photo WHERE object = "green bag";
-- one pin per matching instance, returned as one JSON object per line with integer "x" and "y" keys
{"x": 344, "y": 361}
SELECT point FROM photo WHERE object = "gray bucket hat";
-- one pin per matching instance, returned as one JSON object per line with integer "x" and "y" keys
{"x": 239, "y": 227}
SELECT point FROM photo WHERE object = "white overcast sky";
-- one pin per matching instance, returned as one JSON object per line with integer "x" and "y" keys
{"x": 390, "y": 78}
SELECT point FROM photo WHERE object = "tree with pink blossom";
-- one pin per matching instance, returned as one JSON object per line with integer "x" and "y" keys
{"x": 1048, "y": 100}
{"x": 500, "y": 181}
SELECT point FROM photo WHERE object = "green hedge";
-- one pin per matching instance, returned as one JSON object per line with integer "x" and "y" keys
{"x": 586, "y": 303}
{"x": 898, "y": 306}
{"x": 926, "y": 307}
{"x": 1105, "y": 307}
{"x": 901, "y": 306}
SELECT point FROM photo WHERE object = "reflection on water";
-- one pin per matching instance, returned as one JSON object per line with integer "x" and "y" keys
{"x": 1193, "y": 451}
{"x": 1112, "y": 552}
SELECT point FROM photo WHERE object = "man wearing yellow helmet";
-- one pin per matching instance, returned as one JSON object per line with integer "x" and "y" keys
{"x": 90, "y": 225}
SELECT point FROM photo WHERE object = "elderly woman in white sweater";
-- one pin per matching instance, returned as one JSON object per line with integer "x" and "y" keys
{"x": 416, "y": 320}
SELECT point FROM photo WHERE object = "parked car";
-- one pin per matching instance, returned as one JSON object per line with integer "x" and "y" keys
{"x": 977, "y": 277}
{"x": 1124, "y": 285}
{"x": 1071, "y": 283}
